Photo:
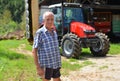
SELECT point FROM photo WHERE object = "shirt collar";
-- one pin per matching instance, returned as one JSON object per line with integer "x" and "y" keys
{"x": 45, "y": 29}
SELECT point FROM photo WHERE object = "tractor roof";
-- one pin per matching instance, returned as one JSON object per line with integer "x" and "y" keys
{"x": 66, "y": 5}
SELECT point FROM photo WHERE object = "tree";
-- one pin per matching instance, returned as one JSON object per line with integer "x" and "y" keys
{"x": 4, "y": 21}
{"x": 16, "y": 8}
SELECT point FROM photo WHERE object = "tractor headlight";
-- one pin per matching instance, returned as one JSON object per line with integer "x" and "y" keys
{"x": 89, "y": 31}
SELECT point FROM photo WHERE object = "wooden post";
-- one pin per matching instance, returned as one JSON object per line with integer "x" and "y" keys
{"x": 35, "y": 15}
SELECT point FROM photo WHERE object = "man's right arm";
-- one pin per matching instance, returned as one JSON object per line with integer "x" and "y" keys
{"x": 40, "y": 71}
{"x": 34, "y": 52}
{"x": 35, "y": 49}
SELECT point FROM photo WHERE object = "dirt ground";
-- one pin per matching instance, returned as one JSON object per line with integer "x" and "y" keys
{"x": 104, "y": 68}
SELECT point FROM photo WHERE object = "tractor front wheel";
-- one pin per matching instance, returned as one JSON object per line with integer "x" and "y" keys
{"x": 70, "y": 46}
{"x": 102, "y": 45}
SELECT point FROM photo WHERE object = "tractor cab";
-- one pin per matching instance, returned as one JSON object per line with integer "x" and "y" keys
{"x": 65, "y": 14}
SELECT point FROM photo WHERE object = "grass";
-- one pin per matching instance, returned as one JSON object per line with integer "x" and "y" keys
{"x": 103, "y": 67}
{"x": 70, "y": 65}
{"x": 15, "y": 66}
{"x": 18, "y": 67}
{"x": 114, "y": 49}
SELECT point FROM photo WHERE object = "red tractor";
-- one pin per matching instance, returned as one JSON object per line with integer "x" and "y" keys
{"x": 73, "y": 31}
{"x": 74, "y": 34}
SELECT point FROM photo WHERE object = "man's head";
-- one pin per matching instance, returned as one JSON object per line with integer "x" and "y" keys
{"x": 48, "y": 18}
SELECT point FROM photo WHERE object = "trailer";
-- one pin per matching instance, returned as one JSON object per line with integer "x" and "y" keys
{"x": 111, "y": 14}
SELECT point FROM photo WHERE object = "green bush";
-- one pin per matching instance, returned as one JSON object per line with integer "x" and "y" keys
{"x": 12, "y": 26}
{"x": 7, "y": 24}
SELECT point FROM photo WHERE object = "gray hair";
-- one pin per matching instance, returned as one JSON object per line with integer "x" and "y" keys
{"x": 47, "y": 13}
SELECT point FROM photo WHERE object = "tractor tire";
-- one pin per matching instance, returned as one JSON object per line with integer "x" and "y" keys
{"x": 70, "y": 46}
{"x": 102, "y": 46}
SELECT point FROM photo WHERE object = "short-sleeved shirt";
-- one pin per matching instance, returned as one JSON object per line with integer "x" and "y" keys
{"x": 48, "y": 48}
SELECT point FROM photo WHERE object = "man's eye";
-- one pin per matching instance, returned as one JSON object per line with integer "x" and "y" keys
{"x": 50, "y": 19}
{"x": 47, "y": 19}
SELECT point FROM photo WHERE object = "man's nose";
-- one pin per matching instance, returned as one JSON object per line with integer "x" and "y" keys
{"x": 50, "y": 21}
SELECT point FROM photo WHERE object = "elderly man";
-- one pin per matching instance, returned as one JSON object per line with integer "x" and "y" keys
{"x": 46, "y": 50}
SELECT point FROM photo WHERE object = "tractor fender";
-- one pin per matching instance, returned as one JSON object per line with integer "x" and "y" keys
{"x": 80, "y": 28}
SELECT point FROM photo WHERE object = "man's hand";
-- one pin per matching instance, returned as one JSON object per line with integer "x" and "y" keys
{"x": 40, "y": 72}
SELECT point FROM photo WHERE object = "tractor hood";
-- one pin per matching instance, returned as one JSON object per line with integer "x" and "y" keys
{"x": 81, "y": 29}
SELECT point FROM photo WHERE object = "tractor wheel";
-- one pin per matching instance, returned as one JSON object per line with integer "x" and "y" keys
{"x": 70, "y": 46}
{"x": 102, "y": 45}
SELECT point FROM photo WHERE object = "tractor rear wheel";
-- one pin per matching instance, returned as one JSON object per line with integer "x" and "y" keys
{"x": 70, "y": 45}
{"x": 102, "y": 45}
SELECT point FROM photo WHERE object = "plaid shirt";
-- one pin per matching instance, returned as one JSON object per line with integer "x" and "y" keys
{"x": 48, "y": 48}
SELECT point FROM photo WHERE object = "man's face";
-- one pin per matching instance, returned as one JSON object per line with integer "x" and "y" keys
{"x": 49, "y": 21}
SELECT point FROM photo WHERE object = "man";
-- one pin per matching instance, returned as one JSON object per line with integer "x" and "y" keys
{"x": 46, "y": 50}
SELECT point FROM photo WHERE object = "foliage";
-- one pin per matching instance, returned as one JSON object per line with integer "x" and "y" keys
{"x": 15, "y": 66}
{"x": 23, "y": 23}
{"x": 16, "y": 7}
{"x": 7, "y": 24}
{"x": 73, "y": 65}
{"x": 12, "y": 16}
{"x": 7, "y": 44}
{"x": 114, "y": 49}
{"x": 103, "y": 67}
